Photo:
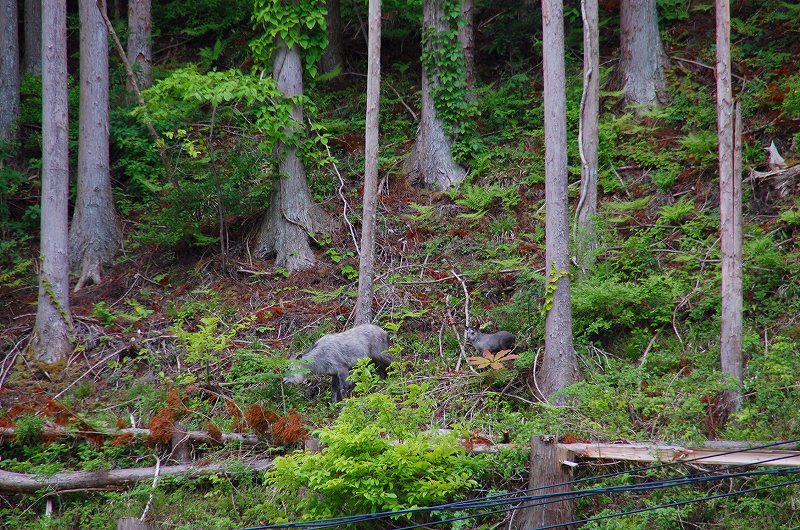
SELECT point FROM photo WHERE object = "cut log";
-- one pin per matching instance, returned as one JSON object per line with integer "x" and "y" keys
{"x": 132, "y": 523}
{"x": 673, "y": 453}
{"x": 192, "y": 436}
{"x": 113, "y": 479}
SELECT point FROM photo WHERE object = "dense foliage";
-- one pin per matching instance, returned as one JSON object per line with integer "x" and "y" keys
{"x": 172, "y": 335}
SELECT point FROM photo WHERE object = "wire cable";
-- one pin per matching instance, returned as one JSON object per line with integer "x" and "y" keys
{"x": 513, "y": 497}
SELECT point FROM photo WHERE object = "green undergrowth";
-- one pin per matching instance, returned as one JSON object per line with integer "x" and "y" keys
{"x": 645, "y": 315}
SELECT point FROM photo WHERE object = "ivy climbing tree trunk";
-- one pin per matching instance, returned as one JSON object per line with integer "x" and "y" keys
{"x": 95, "y": 234}
{"x": 32, "y": 28}
{"x": 642, "y": 57}
{"x": 9, "y": 69}
{"x": 366, "y": 263}
{"x": 140, "y": 42}
{"x": 588, "y": 138}
{"x": 430, "y": 162}
{"x": 332, "y": 58}
{"x": 292, "y": 213}
{"x": 51, "y": 334}
{"x": 559, "y": 365}
{"x": 730, "y": 212}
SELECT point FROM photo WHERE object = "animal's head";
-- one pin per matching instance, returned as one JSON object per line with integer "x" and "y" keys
{"x": 471, "y": 333}
{"x": 296, "y": 378}
{"x": 298, "y": 370}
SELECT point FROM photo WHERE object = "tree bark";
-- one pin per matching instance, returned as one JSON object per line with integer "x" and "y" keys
{"x": 9, "y": 69}
{"x": 292, "y": 213}
{"x": 366, "y": 264}
{"x": 588, "y": 137}
{"x": 430, "y": 162}
{"x": 546, "y": 468}
{"x": 140, "y": 42}
{"x": 730, "y": 182}
{"x": 116, "y": 478}
{"x": 95, "y": 235}
{"x": 332, "y": 59}
{"x": 51, "y": 334}
{"x": 33, "y": 37}
{"x": 559, "y": 365}
{"x": 642, "y": 60}
{"x": 466, "y": 35}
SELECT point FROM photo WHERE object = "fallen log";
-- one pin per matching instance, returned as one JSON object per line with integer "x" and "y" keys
{"x": 641, "y": 452}
{"x": 113, "y": 479}
{"x": 192, "y": 436}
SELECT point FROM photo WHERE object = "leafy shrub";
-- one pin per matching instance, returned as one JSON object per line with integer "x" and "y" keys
{"x": 771, "y": 390}
{"x": 374, "y": 458}
{"x": 605, "y": 308}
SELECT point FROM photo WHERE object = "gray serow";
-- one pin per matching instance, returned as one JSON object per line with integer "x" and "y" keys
{"x": 494, "y": 342}
{"x": 337, "y": 353}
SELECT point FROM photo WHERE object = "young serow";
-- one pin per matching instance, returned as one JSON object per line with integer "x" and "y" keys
{"x": 494, "y": 342}
{"x": 337, "y": 353}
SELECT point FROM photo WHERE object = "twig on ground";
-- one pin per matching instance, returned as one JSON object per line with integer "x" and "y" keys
{"x": 152, "y": 489}
{"x": 87, "y": 372}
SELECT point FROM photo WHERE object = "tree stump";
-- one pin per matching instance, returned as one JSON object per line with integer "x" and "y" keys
{"x": 547, "y": 468}
{"x": 132, "y": 523}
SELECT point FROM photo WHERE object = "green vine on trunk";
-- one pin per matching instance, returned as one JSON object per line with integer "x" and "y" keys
{"x": 550, "y": 288}
{"x": 48, "y": 288}
{"x": 300, "y": 23}
{"x": 444, "y": 64}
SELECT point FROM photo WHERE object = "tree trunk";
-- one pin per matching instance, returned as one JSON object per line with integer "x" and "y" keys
{"x": 466, "y": 35}
{"x": 730, "y": 211}
{"x": 51, "y": 335}
{"x": 332, "y": 59}
{"x": 33, "y": 37}
{"x": 546, "y": 468}
{"x": 9, "y": 69}
{"x": 366, "y": 264}
{"x": 559, "y": 365}
{"x": 140, "y": 42}
{"x": 641, "y": 65}
{"x": 588, "y": 137}
{"x": 292, "y": 213}
{"x": 95, "y": 235}
{"x": 431, "y": 162}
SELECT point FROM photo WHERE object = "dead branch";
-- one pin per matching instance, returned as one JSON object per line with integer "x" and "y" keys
{"x": 113, "y": 479}
{"x": 783, "y": 177}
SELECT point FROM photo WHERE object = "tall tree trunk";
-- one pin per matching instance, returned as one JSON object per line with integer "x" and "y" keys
{"x": 95, "y": 235}
{"x": 332, "y": 59}
{"x": 33, "y": 37}
{"x": 559, "y": 365}
{"x": 642, "y": 60}
{"x": 730, "y": 211}
{"x": 431, "y": 161}
{"x": 466, "y": 35}
{"x": 51, "y": 335}
{"x": 588, "y": 137}
{"x": 292, "y": 213}
{"x": 140, "y": 42}
{"x": 366, "y": 264}
{"x": 9, "y": 69}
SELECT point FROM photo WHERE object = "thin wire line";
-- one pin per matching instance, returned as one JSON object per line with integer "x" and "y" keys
{"x": 494, "y": 500}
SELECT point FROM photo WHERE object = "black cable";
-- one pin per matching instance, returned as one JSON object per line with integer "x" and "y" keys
{"x": 647, "y": 486}
{"x": 597, "y": 518}
{"x": 493, "y": 500}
